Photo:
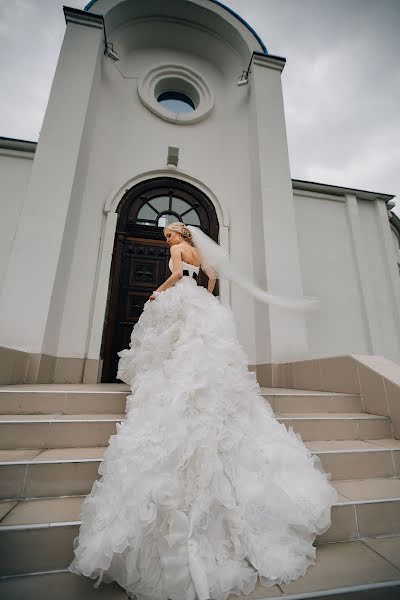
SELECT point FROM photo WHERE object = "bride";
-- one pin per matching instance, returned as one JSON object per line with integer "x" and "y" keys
{"x": 202, "y": 490}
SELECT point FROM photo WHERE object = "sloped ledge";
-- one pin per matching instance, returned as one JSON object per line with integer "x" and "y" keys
{"x": 376, "y": 378}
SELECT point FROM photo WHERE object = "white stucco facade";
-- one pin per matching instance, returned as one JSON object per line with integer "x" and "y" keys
{"x": 348, "y": 260}
{"x": 16, "y": 159}
{"x": 103, "y": 133}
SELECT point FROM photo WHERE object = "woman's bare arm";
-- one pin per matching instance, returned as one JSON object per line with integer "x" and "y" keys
{"x": 177, "y": 271}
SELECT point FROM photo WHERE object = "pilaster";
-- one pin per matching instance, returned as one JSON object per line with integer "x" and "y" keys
{"x": 270, "y": 158}
{"x": 364, "y": 278}
{"x": 29, "y": 281}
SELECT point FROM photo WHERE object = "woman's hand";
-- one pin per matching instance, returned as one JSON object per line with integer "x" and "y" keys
{"x": 154, "y": 295}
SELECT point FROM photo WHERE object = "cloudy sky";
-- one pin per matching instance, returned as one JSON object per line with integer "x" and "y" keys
{"x": 341, "y": 81}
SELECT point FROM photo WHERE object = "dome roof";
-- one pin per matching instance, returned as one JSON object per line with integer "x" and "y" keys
{"x": 242, "y": 27}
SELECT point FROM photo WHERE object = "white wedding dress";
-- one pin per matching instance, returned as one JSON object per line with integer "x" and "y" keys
{"x": 202, "y": 489}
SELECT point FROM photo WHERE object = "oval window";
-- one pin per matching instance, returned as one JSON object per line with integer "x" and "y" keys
{"x": 176, "y": 102}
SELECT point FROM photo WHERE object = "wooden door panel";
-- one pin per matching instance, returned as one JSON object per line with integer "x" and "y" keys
{"x": 135, "y": 300}
{"x": 142, "y": 272}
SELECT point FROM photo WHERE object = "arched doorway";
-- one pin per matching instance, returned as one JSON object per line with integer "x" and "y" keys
{"x": 141, "y": 254}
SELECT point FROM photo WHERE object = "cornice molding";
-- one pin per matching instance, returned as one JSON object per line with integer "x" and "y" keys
{"x": 269, "y": 61}
{"x": 81, "y": 17}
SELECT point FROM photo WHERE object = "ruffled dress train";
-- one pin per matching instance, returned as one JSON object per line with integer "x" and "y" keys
{"x": 202, "y": 490}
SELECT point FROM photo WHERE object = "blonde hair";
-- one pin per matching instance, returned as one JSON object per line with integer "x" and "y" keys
{"x": 182, "y": 229}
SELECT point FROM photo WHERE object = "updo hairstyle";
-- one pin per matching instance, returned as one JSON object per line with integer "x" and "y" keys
{"x": 182, "y": 229}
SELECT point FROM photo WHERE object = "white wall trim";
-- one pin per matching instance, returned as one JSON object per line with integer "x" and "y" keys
{"x": 318, "y": 195}
{"x": 113, "y": 200}
{"x": 17, "y": 154}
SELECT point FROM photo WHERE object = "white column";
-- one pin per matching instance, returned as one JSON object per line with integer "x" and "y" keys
{"x": 287, "y": 329}
{"x": 369, "y": 309}
{"x": 29, "y": 281}
{"x": 391, "y": 265}
{"x": 102, "y": 282}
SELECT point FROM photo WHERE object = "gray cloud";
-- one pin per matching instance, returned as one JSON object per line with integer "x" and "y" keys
{"x": 341, "y": 86}
{"x": 31, "y": 33}
{"x": 341, "y": 82}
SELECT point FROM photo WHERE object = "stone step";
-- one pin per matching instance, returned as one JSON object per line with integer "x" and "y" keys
{"x": 361, "y": 570}
{"x": 111, "y": 398}
{"x": 36, "y": 534}
{"x": 63, "y": 399}
{"x": 57, "y": 430}
{"x": 88, "y": 430}
{"x": 319, "y": 581}
{"x": 71, "y": 471}
{"x": 366, "y": 508}
{"x": 337, "y": 426}
{"x": 299, "y": 401}
{"x": 39, "y": 547}
{"x": 58, "y": 585}
{"x": 358, "y": 459}
{"x": 53, "y": 473}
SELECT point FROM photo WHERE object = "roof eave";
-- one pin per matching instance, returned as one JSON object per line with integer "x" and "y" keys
{"x": 337, "y": 190}
{"x": 19, "y": 145}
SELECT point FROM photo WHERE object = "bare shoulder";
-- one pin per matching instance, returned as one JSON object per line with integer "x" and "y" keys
{"x": 176, "y": 250}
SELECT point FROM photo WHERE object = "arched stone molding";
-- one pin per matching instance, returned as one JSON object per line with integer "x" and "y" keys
{"x": 212, "y": 13}
{"x": 107, "y": 244}
{"x": 115, "y": 197}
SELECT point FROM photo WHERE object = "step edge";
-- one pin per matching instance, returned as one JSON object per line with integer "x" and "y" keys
{"x": 332, "y": 417}
{"x": 369, "y": 501}
{"x": 300, "y": 393}
{"x": 28, "y": 498}
{"x": 30, "y": 392}
{"x": 87, "y": 460}
{"x": 29, "y": 526}
{"x": 354, "y": 451}
{"x": 278, "y": 416}
{"x": 33, "y": 574}
{"x": 25, "y": 421}
{"x": 301, "y": 596}
{"x": 51, "y": 462}
{"x": 335, "y": 591}
{"x": 311, "y": 394}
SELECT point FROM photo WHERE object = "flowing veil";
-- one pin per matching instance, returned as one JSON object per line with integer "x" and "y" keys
{"x": 215, "y": 261}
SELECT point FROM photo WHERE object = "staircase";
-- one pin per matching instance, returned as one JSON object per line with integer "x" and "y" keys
{"x": 52, "y": 438}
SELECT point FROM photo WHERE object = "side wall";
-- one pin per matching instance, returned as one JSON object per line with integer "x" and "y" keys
{"x": 347, "y": 261}
{"x": 15, "y": 170}
{"x": 376, "y": 378}
{"x": 383, "y": 279}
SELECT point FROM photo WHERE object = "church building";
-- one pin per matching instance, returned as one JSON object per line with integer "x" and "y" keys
{"x": 173, "y": 111}
{"x": 163, "y": 111}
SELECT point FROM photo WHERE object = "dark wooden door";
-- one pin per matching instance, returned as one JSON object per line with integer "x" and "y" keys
{"x": 141, "y": 254}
